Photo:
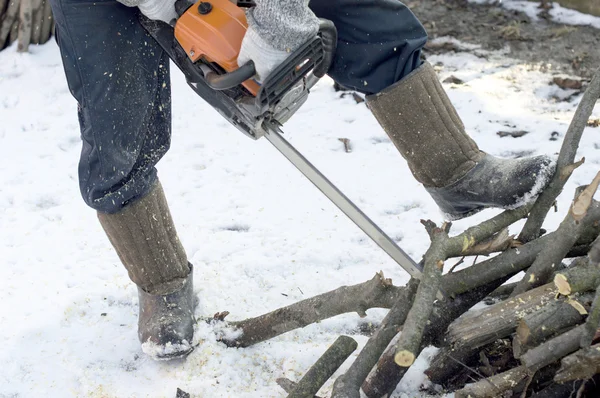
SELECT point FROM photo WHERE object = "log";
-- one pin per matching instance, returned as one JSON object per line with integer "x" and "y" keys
{"x": 581, "y": 365}
{"x": 7, "y": 23}
{"x": 477, "y": 328}
{"x": 375, "y": 293}
{"x": 324, "y": 368}
{"x": 544, "y": 202}
{"x": 555, "y": 318}
{"x": 25, "y": 22}
{"x": 384, "y": 378}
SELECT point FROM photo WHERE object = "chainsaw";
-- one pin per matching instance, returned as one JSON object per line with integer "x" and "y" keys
{"x": 204, "y": 43}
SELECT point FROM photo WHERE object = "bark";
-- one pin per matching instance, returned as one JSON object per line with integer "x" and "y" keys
{"x": 348, "y": 385}
{"x": 25, "y": 22}
{"x": 550, "y": 320}
{"x": 532, "y": 227}
{"x": 7, "y": 23}
{"x": 581, "y": 365}
{"x": 567, "y": 234}
{"x": 324, "y": 368}
{"x": 552, "y": 350}
{"x": 387, "y": 374}
{"x": 375, "y": 293}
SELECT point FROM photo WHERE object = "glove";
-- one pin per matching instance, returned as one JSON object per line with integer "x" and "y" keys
{"x": 160, "y": 10}
{"x": 275, "y": 29}
{"x": 265, "y": 57}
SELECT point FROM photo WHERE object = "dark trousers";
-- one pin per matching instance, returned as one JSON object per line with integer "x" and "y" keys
{"x": 120, "y": 79}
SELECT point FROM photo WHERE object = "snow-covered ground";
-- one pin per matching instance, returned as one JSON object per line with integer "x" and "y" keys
{"x": 259, "y": 234}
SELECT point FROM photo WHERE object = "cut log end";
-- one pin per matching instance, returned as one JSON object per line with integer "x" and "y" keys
{"x": 562, "y": 284}
{"x": 404, "y": 358}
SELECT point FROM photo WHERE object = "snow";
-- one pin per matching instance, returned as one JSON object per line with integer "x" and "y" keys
{"x": 558, "y": 13}
{"x": 259, "y": 234}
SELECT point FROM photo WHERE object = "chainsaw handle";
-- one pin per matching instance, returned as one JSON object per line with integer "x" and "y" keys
{"x": 329, "y": 39}
{"x": 230, "y": 79}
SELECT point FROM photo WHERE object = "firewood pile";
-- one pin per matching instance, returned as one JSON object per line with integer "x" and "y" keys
{"x": 25, "y": 21}
{"x": 537, "y": 337}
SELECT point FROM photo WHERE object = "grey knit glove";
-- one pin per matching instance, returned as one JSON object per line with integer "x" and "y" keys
{"x": 160, "y": 10}
{"x": 275, "y": 29}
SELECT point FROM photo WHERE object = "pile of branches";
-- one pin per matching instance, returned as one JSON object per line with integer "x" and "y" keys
{"x": 27, "y": 21}
{"x": 535, "y": 338}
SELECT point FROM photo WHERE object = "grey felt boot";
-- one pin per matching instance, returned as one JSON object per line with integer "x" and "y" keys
{"x": 421, "y": 121}
{"x": 145, "y": 239}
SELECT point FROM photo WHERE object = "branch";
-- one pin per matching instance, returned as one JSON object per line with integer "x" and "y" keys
{"x": 493, "y": 386}
{"x": 566, "y": 157}
{"x": 324, "y": 368}
{"x": 386, "y": 376}
{"x": 348, "y": 385}
{"x": 552, "y": 350}
{"x": 566, "y": 235}
{"x": 410, "y": 340}
{"x": 375, "y": 293}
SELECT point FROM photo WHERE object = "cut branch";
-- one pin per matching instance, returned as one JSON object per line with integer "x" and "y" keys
{"x": 550, "y": 320}
{"x": 348, "y": 385}
{"x": 387, "y": 374}
{"x": 324, "y": 368}
{"x": 532, "y": 227}
{"x": 566, "y": 235}
{"x": 410, "y": 340}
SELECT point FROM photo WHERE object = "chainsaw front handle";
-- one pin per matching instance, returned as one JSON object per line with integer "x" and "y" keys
{"x": 228, "y": 80}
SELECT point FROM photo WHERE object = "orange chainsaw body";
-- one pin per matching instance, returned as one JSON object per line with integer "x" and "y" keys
{"x": 215, "y": 36}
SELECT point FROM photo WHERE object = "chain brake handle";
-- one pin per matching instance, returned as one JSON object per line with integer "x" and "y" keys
{"x": 316, "y": 55}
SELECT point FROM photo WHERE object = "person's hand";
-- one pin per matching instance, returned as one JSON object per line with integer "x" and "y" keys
{"x": 158, "y": 10}
{"x": 265, "y": 57}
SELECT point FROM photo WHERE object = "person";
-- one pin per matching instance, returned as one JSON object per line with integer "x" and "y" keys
{"x": 120, "y": 79}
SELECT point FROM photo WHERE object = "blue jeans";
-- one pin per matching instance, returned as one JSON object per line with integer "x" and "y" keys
{"x": 120, "y": 79}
